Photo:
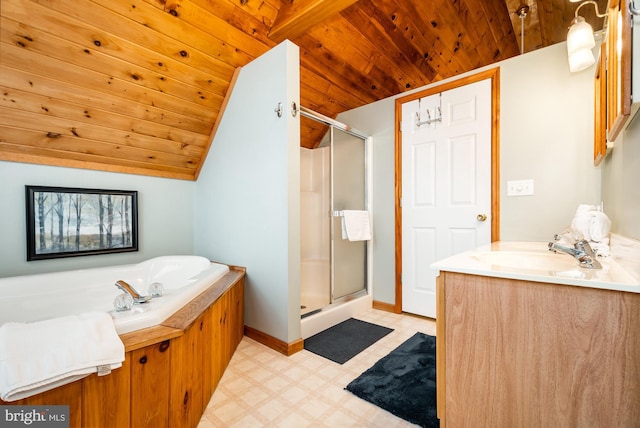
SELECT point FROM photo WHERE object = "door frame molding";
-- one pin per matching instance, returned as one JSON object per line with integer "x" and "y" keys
{"x": 494, "y": 75}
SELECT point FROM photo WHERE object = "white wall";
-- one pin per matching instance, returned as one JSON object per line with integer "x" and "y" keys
{"x": 621, "y": 167}
{"x": 546, "y": 126}
{"x": 621, "y": 182}
{"x": 248, "y": 193}
{"x": 546, "y": 134}
{"x": 165, "y": 209}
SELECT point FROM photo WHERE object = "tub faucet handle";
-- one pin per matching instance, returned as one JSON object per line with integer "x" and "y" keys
{"x": 123, "y": 302}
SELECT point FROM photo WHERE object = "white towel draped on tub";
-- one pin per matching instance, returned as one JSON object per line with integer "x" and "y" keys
{"x": 356, "y": 225}
{"x": 39, "y": 356}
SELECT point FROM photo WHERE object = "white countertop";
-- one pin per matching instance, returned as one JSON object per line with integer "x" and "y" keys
{"x": 532, "y": 261}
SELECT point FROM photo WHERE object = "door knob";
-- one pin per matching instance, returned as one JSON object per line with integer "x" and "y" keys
{"x": 481, "y": 217}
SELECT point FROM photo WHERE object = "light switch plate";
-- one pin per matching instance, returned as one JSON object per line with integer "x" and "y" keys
{"x": 520, "y": 187}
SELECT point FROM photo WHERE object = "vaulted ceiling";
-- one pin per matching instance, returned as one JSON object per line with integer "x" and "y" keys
{"x": 138, "y": 85}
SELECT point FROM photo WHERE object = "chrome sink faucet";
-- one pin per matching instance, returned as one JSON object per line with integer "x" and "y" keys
{"x": 137, "y": 298}
{"x": 581, "y": 251}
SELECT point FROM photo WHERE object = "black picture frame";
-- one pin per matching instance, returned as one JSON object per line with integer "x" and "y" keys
{"x": 69, "y": 222}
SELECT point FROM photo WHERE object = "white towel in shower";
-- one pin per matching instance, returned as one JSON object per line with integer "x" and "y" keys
{"x": 356, "y": 225}
{"x": 39, "y": 356}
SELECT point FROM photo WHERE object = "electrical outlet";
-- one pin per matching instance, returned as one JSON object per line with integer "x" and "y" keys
{"x": 520, "y": 187}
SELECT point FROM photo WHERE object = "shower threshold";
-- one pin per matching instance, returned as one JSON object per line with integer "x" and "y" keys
{"x": 315, "y": 311}
{"x": 330, "y": 306}
{"x": 335, "y": 313}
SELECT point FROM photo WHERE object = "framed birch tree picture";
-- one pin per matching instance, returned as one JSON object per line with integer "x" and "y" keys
{"x": 67, "y": 222}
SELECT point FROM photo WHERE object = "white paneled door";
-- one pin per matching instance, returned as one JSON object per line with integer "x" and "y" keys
{"x": 446, "y": 185}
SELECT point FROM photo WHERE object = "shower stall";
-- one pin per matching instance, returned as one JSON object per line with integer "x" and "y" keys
{"x": 334, "y": 272}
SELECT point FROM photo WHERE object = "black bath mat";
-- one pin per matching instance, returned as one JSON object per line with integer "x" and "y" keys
{"x": 343, "y": 341}
{"x": 404, "y": 382}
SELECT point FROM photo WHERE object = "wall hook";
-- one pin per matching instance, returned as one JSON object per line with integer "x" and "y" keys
{"x": 278, "y": 110}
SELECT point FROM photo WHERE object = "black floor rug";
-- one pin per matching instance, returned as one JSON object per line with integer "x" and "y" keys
{"x": 404, "y": 382}
{"x": 343, "y": 341}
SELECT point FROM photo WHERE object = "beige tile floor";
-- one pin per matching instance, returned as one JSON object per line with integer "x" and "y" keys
{"x": 263, "y": 388}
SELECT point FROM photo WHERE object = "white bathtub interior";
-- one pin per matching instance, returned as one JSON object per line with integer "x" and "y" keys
{"x": 44, "y": 296}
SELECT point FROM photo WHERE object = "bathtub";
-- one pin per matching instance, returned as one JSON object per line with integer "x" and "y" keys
{"x": 50, "y": 295}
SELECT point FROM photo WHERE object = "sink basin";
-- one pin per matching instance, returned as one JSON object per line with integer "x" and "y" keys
{"x": 529, "y": 260}
{"x": 532, "y": 261}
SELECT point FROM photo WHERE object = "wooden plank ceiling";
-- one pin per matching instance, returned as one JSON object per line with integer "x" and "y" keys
{"x": 137, "y": 85}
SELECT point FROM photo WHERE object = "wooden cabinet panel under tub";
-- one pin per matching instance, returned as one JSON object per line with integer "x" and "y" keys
{"x": 69, "y": 394}
{"x": 187, "y": 382}
{"x": 170, "y": 370}
{"x": 96, "y": 411}
{"x": 150, "y": 385}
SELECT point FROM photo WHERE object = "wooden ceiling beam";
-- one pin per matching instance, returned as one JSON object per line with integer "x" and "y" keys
{"x": 295, "y": 18}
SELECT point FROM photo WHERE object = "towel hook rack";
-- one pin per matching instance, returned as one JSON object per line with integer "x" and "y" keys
{"x": 437, "y": 113}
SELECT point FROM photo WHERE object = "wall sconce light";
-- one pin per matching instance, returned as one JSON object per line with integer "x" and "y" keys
{"x": 580, "y": 40}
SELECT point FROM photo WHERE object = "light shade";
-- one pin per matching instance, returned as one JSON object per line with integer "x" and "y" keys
{"x": 580, "y": 40}
{"x": 580, "y": 36}
{"x": 579, "y": 60}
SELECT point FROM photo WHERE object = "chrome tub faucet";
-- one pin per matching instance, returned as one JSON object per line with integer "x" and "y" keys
{"x": 137, "y": 298}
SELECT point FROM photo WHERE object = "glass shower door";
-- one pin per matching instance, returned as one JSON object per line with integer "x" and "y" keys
{"x": 348, "y": 192}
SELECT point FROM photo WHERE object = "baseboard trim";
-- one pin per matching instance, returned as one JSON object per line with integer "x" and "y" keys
{"x": 273, "y": 343}
{"x": 382, "y": 306}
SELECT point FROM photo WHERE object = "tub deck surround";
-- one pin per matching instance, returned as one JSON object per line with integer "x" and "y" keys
{"x": 177, "y": 323}
{"x": 50, "y": 295}
{"x": 170, "y": 370}
{"x": 534, "y": 340}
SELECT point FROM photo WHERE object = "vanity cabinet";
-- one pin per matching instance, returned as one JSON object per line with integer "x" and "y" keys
{"x": 516, "y": 353}
{"x": 170, "y": 370}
